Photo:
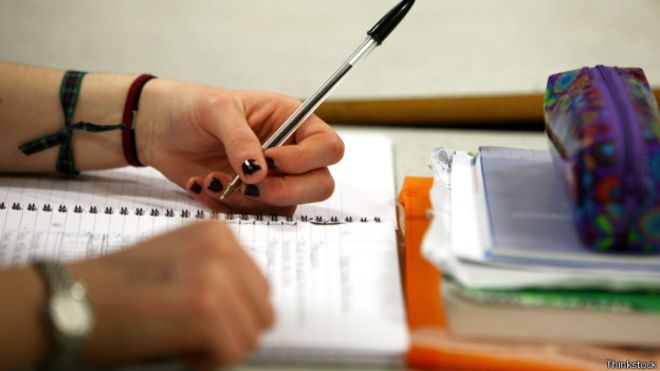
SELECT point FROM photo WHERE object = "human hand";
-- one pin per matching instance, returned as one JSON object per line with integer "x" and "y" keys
{"x": 193, "y": 292}
{"x": 199, "y": 137}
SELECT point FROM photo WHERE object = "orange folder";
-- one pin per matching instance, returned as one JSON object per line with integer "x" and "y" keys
{"x": 433, "y": 347}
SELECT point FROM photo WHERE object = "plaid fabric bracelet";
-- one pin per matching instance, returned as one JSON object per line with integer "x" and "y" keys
{"x": 69, "y": 91}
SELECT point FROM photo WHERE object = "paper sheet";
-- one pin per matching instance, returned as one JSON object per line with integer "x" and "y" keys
{"x": 464, "y": 257}
{"x": 336, "y": 288}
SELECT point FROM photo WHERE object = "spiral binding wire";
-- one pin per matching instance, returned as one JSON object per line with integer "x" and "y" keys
{"x": 197, "y": 214}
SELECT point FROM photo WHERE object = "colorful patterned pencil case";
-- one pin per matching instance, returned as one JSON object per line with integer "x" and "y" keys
{"x": 604, "y": 128}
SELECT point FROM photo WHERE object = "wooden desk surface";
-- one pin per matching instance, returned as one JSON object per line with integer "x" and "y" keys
{"x": 494, "y": 111}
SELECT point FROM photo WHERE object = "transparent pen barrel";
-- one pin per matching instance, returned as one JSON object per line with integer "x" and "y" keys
{"x": 314, "y": 101}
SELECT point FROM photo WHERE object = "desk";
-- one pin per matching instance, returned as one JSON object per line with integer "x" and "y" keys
{"x": 444, "y": 48}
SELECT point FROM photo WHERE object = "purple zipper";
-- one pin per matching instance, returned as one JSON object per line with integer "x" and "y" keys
{"x": 629, "y": 137}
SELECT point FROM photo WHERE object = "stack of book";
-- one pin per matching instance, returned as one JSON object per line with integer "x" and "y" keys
{"x": 514, "y": 267}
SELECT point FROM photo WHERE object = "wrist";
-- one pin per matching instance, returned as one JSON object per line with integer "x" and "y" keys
{"x": 101, "y": 101}
{"x": 109, "y": 99}
{"x": 150, "y": 117}
{"x": 24, "y": 332}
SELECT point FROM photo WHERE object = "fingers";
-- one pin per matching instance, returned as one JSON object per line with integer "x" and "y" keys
{"x": 252, "y": 285}
{"x": 314, "y": 145}
{"x": 230, "y": 330}
{"x": 242, "y": 319}
{"x": 282, "y": 176}
{"x": 207, "y": 191}
{"x": 243, "y": 306}
{"x": 253, "y": 289}
{"x": 272, "y": 196}
{"x": 204, "y": 193}
{"x": 204, "y": 298}
{"x": 226, "y": 120}
{"x": 314, "y": 152}
{"x": 230, "y": 296}
{"x": 313, "y": 186}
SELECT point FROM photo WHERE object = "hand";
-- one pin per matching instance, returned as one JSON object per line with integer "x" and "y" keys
{"x": 199, "y": 137}
{"x": 193, "y": 292}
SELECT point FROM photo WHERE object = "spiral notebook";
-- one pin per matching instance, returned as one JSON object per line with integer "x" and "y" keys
{"x": 333, "y": 265}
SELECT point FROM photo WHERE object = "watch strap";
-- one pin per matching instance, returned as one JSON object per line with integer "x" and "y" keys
{"x": 66, "y": 348}
{"x": 55, "y": 276}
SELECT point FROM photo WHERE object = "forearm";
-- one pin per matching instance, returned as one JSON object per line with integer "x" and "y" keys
{"x": 23, "y": 336}
{"x": 30, "y": 108}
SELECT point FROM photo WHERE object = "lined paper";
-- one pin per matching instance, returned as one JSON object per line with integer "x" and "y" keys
{"x": 336, "y": 288}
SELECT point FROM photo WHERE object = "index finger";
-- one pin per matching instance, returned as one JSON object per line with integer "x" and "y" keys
{"x": 314, "y": 125}
{"x": 316, "y": 151}
{"x": 312, "y": 146}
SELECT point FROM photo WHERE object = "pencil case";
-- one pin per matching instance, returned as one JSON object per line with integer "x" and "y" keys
{"x": 604, "y": 131}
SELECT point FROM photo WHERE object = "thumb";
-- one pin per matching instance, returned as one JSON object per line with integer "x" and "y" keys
{"x": 227, "y": 122}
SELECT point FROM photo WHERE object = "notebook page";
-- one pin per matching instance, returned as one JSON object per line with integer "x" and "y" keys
{"x": 364, "y": 187}
{"x": 364, "y": 180}
{"x": 364, "y": 190}
{"x": 336, "y": 288}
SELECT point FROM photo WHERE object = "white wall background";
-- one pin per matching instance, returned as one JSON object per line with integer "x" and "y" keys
{"x": 442, "y": 48}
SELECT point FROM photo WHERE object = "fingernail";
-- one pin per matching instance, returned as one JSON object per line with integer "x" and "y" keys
{"x": 196, "y": 188}
{"x": 271, "y": 163}
{"x": 251, "y": 190}
{"x": 215, "y": 185}
{"x": 250, "y": 167}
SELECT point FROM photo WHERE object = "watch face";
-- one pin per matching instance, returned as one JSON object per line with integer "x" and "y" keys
{"x": 70, "y": 314}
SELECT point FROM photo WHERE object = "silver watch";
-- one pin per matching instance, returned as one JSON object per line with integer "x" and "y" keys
{"x": 69, "y": 314}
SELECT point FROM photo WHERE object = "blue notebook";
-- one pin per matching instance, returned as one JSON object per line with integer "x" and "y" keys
{"x": 530, "y": 218}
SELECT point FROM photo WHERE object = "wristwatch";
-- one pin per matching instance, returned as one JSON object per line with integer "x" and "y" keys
{"x": 69, "y": 315}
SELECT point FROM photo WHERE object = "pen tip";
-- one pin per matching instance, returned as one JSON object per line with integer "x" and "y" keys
{"x": 231, "y": 187}
{"x": 388, "y": 23}
{"x": 225, "y": 194}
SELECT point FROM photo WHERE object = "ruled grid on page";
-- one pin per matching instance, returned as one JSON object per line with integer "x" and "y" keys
{"x": 333, "y": 265}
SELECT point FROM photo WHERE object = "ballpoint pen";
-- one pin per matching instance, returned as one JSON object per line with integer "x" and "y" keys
{"x": 375, "y": 37}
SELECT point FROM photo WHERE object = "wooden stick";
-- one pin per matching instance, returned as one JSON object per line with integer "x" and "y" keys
{"x": 495, "y": 110}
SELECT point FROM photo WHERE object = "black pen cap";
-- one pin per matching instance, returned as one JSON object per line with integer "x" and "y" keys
{"x": 384, "y": 27}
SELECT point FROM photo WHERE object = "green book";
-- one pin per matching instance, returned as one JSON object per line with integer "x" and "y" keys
{"x": 596, "y": 300}
{"x": 540, "y": 315}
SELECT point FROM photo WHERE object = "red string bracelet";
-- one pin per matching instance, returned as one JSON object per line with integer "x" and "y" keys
{"x": 130, "y": 117}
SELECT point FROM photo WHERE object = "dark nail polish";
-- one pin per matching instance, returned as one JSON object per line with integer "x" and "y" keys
{"x": 215, "y": 185}
{"x": 271, "y": 163}
{"x": 250, "y": 167}
{"x": 196, "y": 188}
{"x": 252, "y": 190}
